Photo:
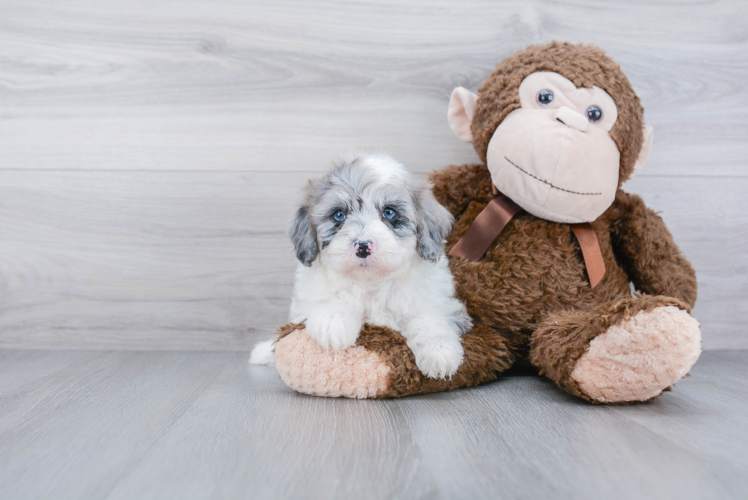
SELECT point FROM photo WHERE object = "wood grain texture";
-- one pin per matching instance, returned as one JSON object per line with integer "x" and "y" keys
{"x": 247, "y": 85}
{"x": 280, "y": 444}
{"x": 121, "y": 401}
{"x": 133, "y": 259}
{"x": 197, "y": 260}
{"x": 523, "y": 437}
{"x": 150, "y": 152}
{"x": 151, "y": 425}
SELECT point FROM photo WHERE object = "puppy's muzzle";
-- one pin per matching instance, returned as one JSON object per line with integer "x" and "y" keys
{"x": 363, "y": 249}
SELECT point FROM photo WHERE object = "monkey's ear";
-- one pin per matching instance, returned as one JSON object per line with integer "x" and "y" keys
{"x": 460, "y": 112}
{"x": 646, "y": 148}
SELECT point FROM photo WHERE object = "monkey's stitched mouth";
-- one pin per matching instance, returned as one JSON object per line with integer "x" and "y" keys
{"x": 546, "y": 182}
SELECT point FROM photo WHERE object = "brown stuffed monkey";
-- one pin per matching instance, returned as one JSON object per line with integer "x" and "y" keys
{"x": 544, "y": 247}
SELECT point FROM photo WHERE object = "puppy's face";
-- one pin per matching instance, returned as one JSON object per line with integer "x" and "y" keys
{"x": 367, "y": 219}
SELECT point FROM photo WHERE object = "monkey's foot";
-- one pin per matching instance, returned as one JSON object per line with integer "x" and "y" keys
{"x": 354, "y": 372}
{"x": 638, "y": 358}
{"x": 381, "y": 365}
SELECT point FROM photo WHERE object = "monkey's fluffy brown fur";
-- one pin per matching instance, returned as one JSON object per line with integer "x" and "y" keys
{"x": 530, "y": 297}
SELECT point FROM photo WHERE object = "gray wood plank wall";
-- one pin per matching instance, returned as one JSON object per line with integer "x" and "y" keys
{"x": 152, "y": 152}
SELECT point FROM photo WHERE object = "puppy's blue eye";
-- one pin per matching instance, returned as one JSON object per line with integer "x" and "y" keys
{"x": 339, "y": 216}
{"x": 389, "y": 213}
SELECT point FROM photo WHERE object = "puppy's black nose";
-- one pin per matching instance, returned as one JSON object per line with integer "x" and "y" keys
{"x": 362, "y": 249}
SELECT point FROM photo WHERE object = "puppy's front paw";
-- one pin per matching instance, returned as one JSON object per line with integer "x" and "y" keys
{"x": 438, "y": 357}
{"x": 333, "y": 330}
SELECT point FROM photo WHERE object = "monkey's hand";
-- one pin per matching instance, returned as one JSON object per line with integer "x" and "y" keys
{"x": 648, "y": 253}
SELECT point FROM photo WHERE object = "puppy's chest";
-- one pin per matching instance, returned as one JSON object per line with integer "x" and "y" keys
{"x": 383, "y": 307}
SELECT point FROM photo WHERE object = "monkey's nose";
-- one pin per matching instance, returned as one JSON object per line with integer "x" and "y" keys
{"x": 571, "y": 118}
{"x": 363, "y": 249}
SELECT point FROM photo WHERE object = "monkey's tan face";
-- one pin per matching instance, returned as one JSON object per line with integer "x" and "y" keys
{"x": 554, "y": 156}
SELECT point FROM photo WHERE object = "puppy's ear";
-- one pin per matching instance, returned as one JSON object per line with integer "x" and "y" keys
{"x": 304, "y": 237}
{"x": 434, "y": 225}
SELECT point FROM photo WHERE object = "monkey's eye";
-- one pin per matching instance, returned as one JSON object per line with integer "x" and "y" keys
{"x": 389, "y": 214}
{"x": 545, "y": 97}
{"x": 339, "y": 216}
{"x": 594, "y": 114}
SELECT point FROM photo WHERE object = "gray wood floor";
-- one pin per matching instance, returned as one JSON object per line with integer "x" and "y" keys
{"x": 193, "y": 425}
{"x": 151, "y": 152}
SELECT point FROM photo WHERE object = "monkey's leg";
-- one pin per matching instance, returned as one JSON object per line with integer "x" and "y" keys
{"x": 381, "y": 365}
{"x": 624, "y": 352}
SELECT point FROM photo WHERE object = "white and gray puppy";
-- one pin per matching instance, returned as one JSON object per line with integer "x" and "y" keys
{"x": 370, "y": 241}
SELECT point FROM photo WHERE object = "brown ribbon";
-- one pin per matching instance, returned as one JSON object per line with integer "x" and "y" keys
{"x": 485, "y": 228}
{"x": 593, "y": 257}
{"x": 497, "y": 214}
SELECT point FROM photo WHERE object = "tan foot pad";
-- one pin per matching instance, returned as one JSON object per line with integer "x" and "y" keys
{"x": 352, "y": 373}
{"x": 640, "y": 357}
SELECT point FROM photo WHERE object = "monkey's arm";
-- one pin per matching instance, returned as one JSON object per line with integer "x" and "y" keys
{"x": 648, "y": 253}
{"x": 456, "y": 186}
